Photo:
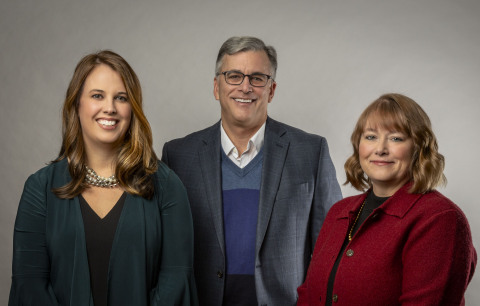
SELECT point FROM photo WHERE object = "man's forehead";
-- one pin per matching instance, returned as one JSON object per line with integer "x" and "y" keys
{"x": 257, "y": 60}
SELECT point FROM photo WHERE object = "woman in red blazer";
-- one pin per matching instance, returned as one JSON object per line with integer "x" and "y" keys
{"x": 401, "y": 242}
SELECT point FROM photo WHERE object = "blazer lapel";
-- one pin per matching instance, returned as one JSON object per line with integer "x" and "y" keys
{"x": 210, "y": 164}
{"x": 274, "y": 155}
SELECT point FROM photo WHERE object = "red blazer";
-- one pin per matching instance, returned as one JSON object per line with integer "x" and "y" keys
{"x": 415, "y": 249}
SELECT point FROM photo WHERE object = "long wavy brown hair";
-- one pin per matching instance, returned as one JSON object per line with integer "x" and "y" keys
{"x": 398, "y": 112}
{"x": 135, "y": 161}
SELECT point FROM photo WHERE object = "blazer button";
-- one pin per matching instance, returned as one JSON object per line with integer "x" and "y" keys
{"x": 334, "y": 298}
{"x": 349, "y": 253}
{"x": 219, "y": 274}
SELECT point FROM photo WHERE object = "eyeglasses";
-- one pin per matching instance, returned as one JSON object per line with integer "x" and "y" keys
{"x": 255, "y": 79}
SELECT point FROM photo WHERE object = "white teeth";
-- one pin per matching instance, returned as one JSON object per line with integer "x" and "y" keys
{"x": 244, "y": 100}
{"x": 107, "y": 122}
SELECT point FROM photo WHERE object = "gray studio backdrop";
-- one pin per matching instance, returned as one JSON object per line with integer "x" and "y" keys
{"x": 335, "y": 57}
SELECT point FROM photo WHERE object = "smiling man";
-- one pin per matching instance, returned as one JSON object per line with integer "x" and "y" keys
{"x": 259, "y": 190}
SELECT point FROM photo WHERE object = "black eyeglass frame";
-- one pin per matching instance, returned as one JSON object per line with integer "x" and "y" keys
{"x": 269, "y": 77}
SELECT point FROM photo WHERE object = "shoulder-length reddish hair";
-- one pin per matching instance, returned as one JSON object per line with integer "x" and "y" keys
{"x": 398, "y": 112}
{"x": 135, "y": 160}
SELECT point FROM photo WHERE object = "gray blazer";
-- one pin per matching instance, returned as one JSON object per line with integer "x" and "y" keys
{"x": 298, "y": 187}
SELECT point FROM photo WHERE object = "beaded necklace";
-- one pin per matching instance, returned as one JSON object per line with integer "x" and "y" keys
{"x": 92, "y": 178}
{"x": 355, "y": 222}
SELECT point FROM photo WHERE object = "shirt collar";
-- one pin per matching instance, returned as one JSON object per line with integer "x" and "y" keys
{"x": 397, "y": 205}
{"x": 256, "y": 141}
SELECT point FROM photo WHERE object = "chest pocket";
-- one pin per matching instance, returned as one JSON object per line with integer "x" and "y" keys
{"x": 294, "y": 192}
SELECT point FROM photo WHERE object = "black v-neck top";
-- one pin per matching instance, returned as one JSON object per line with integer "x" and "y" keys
{"x": 99, "y": 234}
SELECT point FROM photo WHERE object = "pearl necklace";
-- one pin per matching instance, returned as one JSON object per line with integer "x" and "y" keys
{"x": 355, "y": 222}
{"x": 92, "y": 178}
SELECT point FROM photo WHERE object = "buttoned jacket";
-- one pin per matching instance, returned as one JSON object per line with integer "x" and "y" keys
{"x": 415, "y": 249}
{"x": 298, "y": 186}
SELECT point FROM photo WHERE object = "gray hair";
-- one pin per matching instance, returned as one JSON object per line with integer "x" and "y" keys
{"x": 246, "y": 43}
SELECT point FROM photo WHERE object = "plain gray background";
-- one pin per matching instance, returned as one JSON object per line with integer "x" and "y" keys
{"x": 335, "y": 57}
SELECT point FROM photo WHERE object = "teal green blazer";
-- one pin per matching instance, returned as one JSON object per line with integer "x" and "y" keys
{"x": 152, "y": 253}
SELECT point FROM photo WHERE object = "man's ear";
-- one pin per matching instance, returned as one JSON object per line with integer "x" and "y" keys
{"x": 215, "y": 88}
{"x": 272, "y": 91}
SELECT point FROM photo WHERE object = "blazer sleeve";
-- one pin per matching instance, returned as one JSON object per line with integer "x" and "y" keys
{"x": 176, "y": 283}
{"x": 31, "y": 268}
{"x": 327, "y": 191}
{"x": 165, "y": 153}
{"x": 438, "y": 260}
{"x": 165, "y": 150}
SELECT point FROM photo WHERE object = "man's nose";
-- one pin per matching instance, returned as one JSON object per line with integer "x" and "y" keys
{"x": 246, "y": 86}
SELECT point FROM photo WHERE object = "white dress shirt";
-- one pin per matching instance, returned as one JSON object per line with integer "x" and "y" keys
{"x": 254, "y": 146}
